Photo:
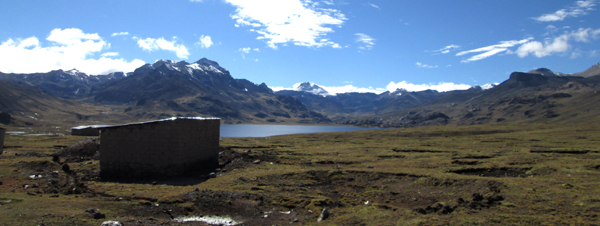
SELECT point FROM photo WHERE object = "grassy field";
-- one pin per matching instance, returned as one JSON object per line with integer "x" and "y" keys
{"x": 532, "y": 174}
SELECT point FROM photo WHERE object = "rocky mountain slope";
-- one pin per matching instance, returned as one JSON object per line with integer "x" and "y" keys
{"x": 69, "y": 84}
{"x": 204, "y": 88}
{"x": 354, "y": 104}
{"x": 168, "y": 88}
{"x": 523, "y": 98}
{"x": 24, "y": 105}
{"x": 539, "y": 95}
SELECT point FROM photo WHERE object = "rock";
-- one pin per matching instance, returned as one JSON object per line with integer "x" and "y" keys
{"x": 96, "y": 213}
{"x": 324, "y": 215}
{"x": 256, "y": 161}
{"x": 212, "y": 175}
{"x": 111, "y": 223}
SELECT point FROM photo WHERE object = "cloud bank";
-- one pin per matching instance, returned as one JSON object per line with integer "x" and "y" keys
{"x": 278, "y": 22}
{"x": 66, "y": 49}
{"x": 392, "y": 86}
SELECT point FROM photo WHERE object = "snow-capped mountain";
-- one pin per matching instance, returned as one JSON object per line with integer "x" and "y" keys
{"x": 202, "y": 66}
{"x": 69, "y": 84}
{"x": 202, "y": 87}
{"x": 314, "y": 89}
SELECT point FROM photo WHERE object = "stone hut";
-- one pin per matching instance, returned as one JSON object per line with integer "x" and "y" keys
{"x": 93, "y": 130}
{"x": 159, "y": 149}
{"x": 2, "y": 131}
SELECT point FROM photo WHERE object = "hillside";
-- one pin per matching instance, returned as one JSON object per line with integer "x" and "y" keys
{"x": 169, "y": 88}
{"x": 204, "y": 88}
{"x": 153, "y": 91}
{"x": 523, "y": 98}
{"x": 23, "y": 105}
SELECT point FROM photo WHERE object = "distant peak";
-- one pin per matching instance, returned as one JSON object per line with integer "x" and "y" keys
{"x": 205, "y": 61}
{"x": 399, "y": 91}
{"x": 312, "y": 88}
{"x": 209, "y": 63}
{"x": 542, "y": 71}
{"x": 545, "y": 72}
{"x": 169, "y": 62}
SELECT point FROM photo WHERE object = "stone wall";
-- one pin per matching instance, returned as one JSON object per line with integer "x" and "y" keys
{"x": 159, "y": 149}
{"x": 2, "y": 131}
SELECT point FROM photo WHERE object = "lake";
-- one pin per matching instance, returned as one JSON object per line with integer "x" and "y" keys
{"x": 242, "y": 130}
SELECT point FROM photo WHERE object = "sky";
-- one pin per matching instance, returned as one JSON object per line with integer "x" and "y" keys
{"x": 341, "y": 45}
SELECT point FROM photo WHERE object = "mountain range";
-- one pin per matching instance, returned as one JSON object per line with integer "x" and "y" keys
{"x": 177, "y": 88}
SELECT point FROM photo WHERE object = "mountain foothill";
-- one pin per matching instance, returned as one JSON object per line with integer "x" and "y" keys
{"x": 204, "y": 88}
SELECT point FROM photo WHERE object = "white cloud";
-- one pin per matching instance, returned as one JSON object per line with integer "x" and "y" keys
{"x": 419, "y": 64}
{"x": 492, "y": 50}
{"x": 392, "y": 86}
{"x": 110, "y": 54}
{"x": 441, "y": 87}
{"x": 447, "y": 49}
{"x": 277, "y": 22}
{"x": 581, "y": 8}
{"x": 73, "y": 36}
{"x": 366, "y": 42}
{"x": 575, "y": 54}
{"x": 247, "y": 50}
{"x": 373, "y": 5}
{"x": 152, "y": 44}
{"x": 333, "y": 90}
{"x": 559, "y": 44}
{"x": 551, "y": 29}
{"x": 196, "y": 0}
{"x": 205, "y": 41}
{"x": 326, "y": 2}
{"x": 119, "y": 33}
{"x": 585, "y": 35}
{"x": 67, "y": 49}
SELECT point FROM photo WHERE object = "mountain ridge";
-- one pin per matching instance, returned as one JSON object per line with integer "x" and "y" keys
{"x": 204, "y": 88}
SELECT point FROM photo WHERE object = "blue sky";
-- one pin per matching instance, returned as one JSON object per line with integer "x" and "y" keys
{"x": 343, "y": 45}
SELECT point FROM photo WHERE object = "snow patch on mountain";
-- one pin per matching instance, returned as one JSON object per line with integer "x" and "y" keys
{"x": 311, "y": 88}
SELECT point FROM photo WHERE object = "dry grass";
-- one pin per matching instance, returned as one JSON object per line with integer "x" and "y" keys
{"x": 398, "y": 171}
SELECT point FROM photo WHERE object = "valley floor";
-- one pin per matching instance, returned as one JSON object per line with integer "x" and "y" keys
{"x": 531, "y": 174}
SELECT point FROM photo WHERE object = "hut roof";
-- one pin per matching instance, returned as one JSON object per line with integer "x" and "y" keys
{"x": 160, "y": 120}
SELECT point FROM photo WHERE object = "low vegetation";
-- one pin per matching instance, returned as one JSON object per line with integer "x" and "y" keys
{"x": 529, "y": 174}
